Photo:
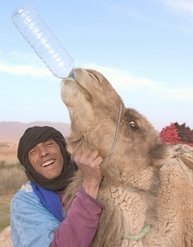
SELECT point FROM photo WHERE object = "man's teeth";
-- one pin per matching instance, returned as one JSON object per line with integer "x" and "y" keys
{"x": 47, "y": 163}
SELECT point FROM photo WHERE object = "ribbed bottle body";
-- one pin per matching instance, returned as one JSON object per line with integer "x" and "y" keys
{"x": 42, "y": 40}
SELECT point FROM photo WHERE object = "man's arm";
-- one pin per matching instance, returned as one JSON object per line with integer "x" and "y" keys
{"x": 81, "y": 223}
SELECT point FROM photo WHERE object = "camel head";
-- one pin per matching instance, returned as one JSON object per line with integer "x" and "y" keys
{"x": 100, "y": 120}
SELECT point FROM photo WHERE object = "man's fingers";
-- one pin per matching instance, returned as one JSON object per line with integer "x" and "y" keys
{"x": 93, "y": 154}
{"x": 98, "y": 160}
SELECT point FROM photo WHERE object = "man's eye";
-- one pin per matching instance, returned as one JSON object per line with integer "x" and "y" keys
{"x": 49, "y": 143}
{"x": 32, "y": 152}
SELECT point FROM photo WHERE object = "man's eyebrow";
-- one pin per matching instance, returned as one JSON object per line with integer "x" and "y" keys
{"x": 48, "y": 140}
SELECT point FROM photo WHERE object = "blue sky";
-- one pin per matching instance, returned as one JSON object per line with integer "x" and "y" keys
{"x": 144, "y": 48}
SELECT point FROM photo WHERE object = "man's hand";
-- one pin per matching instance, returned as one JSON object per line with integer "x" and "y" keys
{"x": 89, "y": 163}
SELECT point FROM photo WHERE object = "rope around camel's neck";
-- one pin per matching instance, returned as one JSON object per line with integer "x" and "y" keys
{"x": 115, "y": 137}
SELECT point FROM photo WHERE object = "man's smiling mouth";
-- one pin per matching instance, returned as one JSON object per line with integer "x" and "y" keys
{"x": 48, "y": 163}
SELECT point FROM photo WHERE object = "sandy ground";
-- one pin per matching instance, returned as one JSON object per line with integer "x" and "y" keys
{"x": 8, "y": 151}
{"x": 8, "y": 154}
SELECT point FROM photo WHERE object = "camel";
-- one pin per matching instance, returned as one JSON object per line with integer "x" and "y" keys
{"x": 147, "y": 186}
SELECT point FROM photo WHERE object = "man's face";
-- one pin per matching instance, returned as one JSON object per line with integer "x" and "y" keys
{"x": 46, "y": 158}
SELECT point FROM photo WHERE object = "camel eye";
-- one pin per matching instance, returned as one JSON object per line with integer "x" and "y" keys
{"x": 133, "y": 125}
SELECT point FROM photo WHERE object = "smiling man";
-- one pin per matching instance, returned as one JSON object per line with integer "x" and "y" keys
{"x": 37, "y": 214}
{"x": 49, "y": 166}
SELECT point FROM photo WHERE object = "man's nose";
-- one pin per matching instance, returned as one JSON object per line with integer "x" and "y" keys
{"x": 43, "y": 151}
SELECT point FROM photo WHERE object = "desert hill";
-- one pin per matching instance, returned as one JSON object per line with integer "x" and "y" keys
{"x": 10, "y": 132}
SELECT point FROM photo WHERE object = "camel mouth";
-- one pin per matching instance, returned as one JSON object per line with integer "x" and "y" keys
{"x": 84, "y": 90}
{"x": 72, "y": 80}
{"x": 75, "y": 78}
{"x": 73, "y": 85}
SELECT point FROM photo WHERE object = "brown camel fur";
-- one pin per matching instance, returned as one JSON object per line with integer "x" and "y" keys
{"x": 147, "y": 189}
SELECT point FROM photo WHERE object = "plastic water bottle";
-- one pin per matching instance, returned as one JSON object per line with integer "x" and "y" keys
{"x": 42, "y": 40}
